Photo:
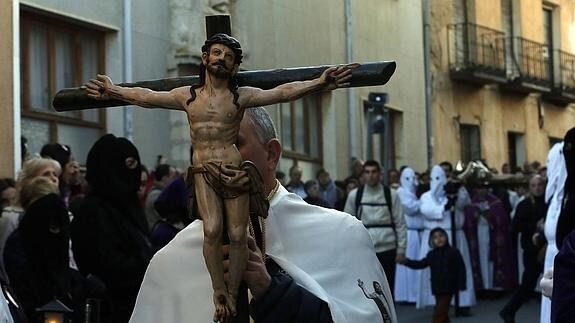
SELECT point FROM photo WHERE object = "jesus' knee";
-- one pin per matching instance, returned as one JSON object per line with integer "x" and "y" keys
{"x": 212, "y": 232}
{"x": 238, "y": 236}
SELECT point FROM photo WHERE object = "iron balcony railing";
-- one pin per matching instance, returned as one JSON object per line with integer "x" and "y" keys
{"x": 477, "y": 48}
{"x": 565, "y": 71}
{"x": 532, "y": 61}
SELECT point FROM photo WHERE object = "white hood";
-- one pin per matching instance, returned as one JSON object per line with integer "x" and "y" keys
{"x": 407, "y": 180}
{"x": 556, "y": 171}
{"x": 438, "y": 181}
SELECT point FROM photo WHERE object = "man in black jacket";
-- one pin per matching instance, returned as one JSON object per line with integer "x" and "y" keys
{"x": 529, "y": 215}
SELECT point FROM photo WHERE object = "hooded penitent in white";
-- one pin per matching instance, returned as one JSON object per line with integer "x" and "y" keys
{"x": 409, "y": 200}
{"x": 406, "y": 280}
{"x": 556, "y": 176}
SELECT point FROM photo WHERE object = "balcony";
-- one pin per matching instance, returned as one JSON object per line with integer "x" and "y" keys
{"x": 476, "y": 54}
{"x": 531, "y": 66}
{"x": 563, "y": 89}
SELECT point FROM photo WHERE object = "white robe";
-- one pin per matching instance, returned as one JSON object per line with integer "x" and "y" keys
{"x": 435, "y": 216}
{"x": 406, "y": 279}
{"x": 323, "y": 250}
{"x": 554, "y": 191}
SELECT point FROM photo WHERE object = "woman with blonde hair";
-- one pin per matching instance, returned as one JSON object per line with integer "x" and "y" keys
{"x": 45, "y": 167}
{"x": 31, "y": 169}
{"x": 28, "y": 189}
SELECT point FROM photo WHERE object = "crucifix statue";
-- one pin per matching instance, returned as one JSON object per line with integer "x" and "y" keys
{"x": 214, "y": 105}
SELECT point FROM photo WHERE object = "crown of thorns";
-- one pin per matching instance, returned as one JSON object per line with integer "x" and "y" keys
{"x": 226, "y": 40}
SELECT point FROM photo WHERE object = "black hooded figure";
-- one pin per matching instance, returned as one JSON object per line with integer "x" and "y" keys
{"x": 45, "y": 234}
{"x": 110, "y": 237}
{"x": 566, "y": 222}
{"x": 563, "y": 297}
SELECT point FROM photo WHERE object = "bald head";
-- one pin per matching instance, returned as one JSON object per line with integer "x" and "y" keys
{"x": 357, "y": 168}
{"x": 262, "y": 123}
{"x": 257, "y": 142}
{"x": 537, "y": 186}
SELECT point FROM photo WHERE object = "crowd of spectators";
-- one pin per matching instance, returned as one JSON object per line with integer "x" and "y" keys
{"x": 79, "y": 234}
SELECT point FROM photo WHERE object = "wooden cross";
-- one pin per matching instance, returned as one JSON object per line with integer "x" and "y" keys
{"x": 368, "y": 74}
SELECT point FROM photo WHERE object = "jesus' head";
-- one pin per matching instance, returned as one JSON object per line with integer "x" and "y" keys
{"x": 222, "y": 55}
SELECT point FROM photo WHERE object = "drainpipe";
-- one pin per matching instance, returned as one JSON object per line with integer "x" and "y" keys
{"x": 351, "y": 106}
{"x": 16, "y": 85}
{"x": 127, "y": 60}
{"x": 427, "y": 68}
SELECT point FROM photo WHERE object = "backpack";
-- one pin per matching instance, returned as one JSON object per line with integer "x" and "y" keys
{"x": 387, "y": 195}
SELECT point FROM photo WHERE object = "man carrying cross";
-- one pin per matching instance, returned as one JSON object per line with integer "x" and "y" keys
{"x": 215, "y": 109}
{"x": 314, "y": 258}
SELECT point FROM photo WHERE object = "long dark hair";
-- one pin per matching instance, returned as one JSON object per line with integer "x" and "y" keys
{"x": 235, "y": 46}
{"x": 233, "y": 87}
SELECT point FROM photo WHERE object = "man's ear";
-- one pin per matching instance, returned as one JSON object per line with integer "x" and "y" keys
{"x": 274, "y": 149}
{"x": 205, "y": 58}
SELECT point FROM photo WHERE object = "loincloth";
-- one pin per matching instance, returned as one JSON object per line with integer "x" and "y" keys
{"x": 230, "y": 181}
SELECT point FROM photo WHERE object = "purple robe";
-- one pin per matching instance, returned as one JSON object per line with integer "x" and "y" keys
{"x": 500, "y": 243}
{"x": 563, "y": 298}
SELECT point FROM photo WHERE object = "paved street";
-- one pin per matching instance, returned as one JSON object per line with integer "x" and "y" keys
{"x": 485, "y": 311}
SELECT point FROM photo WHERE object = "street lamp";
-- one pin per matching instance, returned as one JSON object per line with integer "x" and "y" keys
{"x": 378, "y": 123}
{"x": 378, "y": 97}
{"x": 55, "y": 312}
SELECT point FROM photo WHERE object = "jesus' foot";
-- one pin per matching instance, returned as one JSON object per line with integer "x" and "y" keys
{"x": 222, "y": 314}
{"x": 232, "y": 304}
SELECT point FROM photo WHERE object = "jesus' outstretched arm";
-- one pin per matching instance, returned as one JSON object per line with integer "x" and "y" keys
{"x": 102, "y": 88}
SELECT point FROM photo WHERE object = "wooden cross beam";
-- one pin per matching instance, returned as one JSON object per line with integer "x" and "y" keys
{"x": 368, "y": 74}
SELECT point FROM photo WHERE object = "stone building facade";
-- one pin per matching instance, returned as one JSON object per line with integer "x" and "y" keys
{"x": 503, "y": 78}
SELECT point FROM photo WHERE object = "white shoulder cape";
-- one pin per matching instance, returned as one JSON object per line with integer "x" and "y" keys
{"x": 323, "y": 250}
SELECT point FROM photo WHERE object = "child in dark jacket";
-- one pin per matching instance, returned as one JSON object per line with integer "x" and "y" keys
{"x": 447, "y": 272}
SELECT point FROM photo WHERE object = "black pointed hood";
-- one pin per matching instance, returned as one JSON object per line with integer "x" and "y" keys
{"x": 113, "y": 168}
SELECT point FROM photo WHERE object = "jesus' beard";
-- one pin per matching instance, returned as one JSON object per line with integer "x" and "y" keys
{"x": 219, "y": 71}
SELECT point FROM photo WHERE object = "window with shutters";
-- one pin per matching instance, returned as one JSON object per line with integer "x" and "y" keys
{"x": 301, "y": 130}
{"x": 57, "y": 55}
{"x": 470, "y": 142}
{"x": 516, "y": 150}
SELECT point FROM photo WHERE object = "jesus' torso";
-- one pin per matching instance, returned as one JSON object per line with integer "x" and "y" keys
{"x": 214, "y": 125}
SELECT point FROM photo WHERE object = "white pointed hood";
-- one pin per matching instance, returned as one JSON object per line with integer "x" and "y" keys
{"x": 438, "y": 181}
{"x": 408, "y": 181}
{"x": 556, "y": 171}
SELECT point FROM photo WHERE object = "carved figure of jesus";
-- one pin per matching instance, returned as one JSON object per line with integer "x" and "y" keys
{"x": 215, "y": 108}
